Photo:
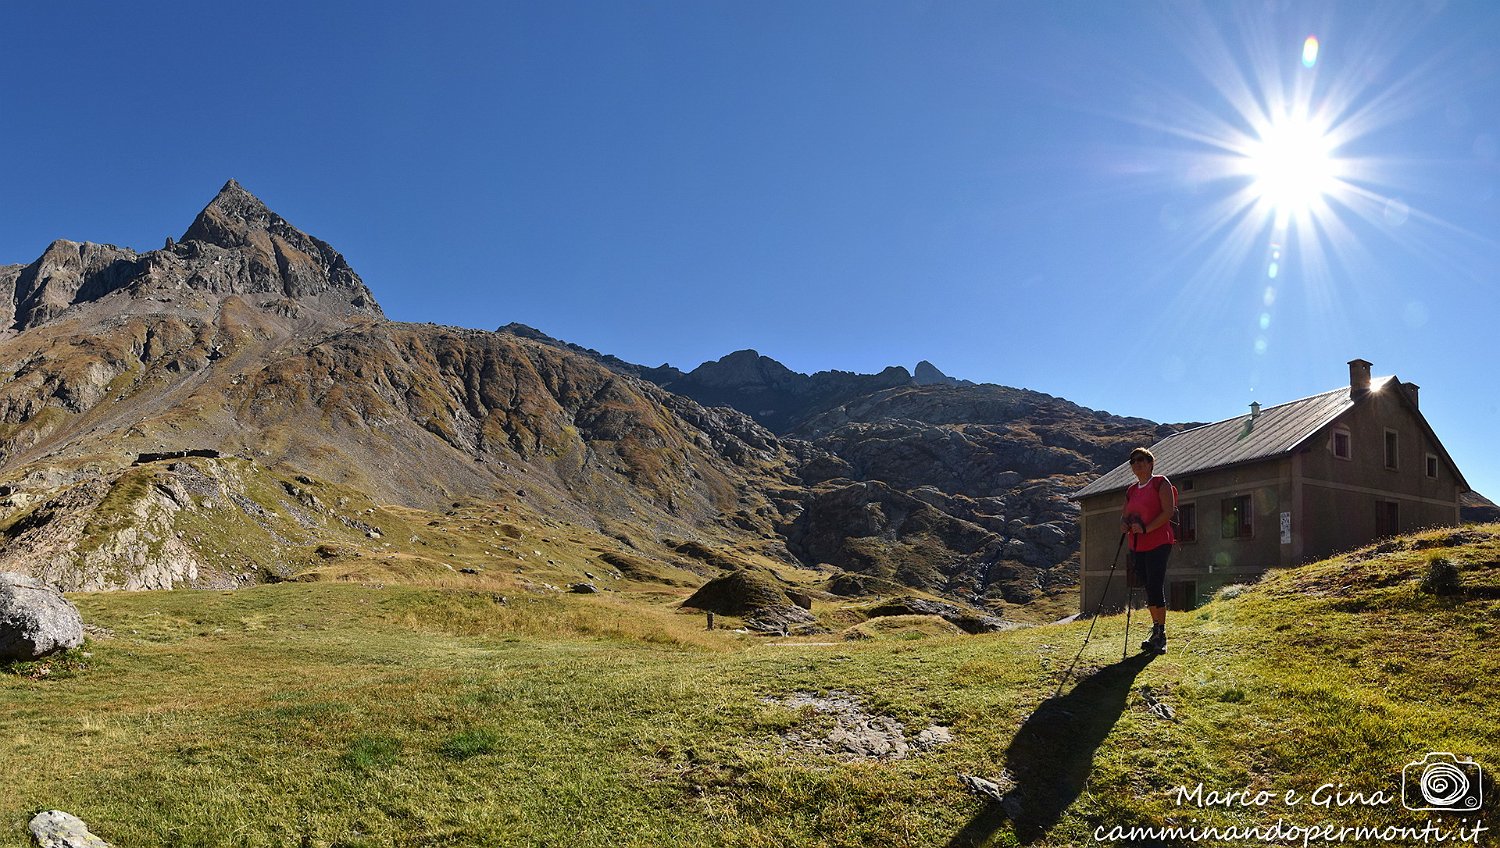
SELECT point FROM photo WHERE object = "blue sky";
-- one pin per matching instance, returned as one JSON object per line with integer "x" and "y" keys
{"x": 1064, "y": 196}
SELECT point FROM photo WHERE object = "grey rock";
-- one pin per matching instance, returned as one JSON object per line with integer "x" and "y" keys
{"x": 783, "y": 619}
{"x": 934, "y": 736}
{"x": 66, "y": 273}
{"x": 856, "y": 734}
{"x": 57, "y": 829}
{"x": 987, "y": 789}
{"x": 928, "y": 374}
{"x": 583, "y": 588}
{"x": 35, "y": 619}
{"x": 970, "y": 621}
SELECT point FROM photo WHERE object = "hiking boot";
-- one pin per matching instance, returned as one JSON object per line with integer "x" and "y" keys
{"x": 1157, "y": 642}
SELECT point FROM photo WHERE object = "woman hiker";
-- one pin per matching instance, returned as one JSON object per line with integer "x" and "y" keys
{"x": 1147, "y": 519}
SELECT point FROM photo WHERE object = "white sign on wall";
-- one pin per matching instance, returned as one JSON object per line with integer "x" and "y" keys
{"x": 1286, "y": 528}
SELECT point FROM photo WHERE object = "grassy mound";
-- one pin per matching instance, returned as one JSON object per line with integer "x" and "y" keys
{"x": 337, "y": 714}
{"x": 740, "y": 592}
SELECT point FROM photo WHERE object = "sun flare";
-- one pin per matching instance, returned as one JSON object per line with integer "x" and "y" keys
{"x": 1293, "y": 168}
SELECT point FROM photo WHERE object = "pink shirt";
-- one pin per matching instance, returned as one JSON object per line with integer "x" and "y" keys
{"x": 1145, "y": 504}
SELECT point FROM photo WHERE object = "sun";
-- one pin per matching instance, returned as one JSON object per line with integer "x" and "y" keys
{"x": 1293, "y": 168}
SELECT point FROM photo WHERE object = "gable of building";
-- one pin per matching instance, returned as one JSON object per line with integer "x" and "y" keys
{"x": 1266, "y": 434}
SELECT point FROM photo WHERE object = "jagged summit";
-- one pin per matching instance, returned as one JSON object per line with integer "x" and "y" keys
{"x": 928, "y": 374}
{"x": 66, "y": 273}
{"x": 235, "y": 246}
{"x": 744, "y": 368}
{"x": 232, "y": 216}
{"x": 775, "y": 395}
{"x": 275, "y": 253}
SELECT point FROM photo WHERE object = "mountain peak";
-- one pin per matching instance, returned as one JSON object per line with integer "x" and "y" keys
{"x": 230, "y": 218}
{"x": 927, "y": 374}
{"x": 744, "y": 368}
{"x": 277, "y": 256}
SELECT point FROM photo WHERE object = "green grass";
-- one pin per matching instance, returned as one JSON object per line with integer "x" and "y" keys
{"x": 327, "y": 714}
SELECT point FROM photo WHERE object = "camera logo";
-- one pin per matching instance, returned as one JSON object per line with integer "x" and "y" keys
{"x": 1441, "y": 781}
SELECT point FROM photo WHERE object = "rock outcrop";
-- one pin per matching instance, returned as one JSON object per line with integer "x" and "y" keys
{"x": 965, "y": 619}
{"x": 35, "y": 619}
{"x": 57, "y": 829}
{"x": 66, "y": 273}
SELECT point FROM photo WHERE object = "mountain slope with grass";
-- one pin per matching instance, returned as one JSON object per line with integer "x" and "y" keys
{"x": 209, "y": 414}
{"x": 217, "y": 412}
{"x": 343, "y": 714}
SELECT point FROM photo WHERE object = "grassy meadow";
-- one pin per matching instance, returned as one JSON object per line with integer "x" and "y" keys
{"x": 340, "y": 714}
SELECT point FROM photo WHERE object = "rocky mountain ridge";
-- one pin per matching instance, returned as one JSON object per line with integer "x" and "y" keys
{"x": 930, "y": 481}
{"x": 258, "y": 346}
{"x": 253, "y": 342}
{"x": 235, "y": 246}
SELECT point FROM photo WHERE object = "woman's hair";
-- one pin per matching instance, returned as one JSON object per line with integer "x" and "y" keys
{"x": 1142, "y": 453}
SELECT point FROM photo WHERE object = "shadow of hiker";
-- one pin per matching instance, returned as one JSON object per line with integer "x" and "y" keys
{"x": 1051, "y": 756}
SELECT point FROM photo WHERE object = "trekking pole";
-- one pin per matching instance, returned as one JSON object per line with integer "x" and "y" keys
{"x": 1098, "y": 609}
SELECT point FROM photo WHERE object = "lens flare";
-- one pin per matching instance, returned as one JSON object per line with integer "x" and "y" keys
{"x": 1310, "y": 51}
{"x": 1286, "y": 172}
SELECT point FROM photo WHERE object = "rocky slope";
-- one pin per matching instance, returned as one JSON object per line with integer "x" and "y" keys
{"x": 315, "y": 424}
{"x": 925, "y": 480}
{"x": 1474, "y": 508}
{"x": 257, "y": 347}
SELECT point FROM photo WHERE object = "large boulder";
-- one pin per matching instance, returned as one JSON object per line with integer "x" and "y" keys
{"x": 967, "y": 620}
{"x": 57, "y": 829}
{"x": 35, "y": 619}
{"x": 756, "y": 596}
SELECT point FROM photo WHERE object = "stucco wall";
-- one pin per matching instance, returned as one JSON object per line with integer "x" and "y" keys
{"x": 1210, "y": 561}
{"x": 1341, "y": 495}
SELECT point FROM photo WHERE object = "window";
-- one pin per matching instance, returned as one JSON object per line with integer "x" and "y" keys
{"x": 1392, "y": 452}
{"x": 1341, "y": 444}
{"x": 1237, "y": 523}
{"x": 1432, "y": 466}
{"x": 1387, "y": 518}
{"x": 1187, "y": 516}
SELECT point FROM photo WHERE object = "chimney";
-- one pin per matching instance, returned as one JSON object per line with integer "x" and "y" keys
{"x": 1359, "y": 377}
{"x": 1254, "y": 409}
{"x": 1411, "y": 392}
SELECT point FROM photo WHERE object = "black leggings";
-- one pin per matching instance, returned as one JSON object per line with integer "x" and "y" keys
{"x": 1151, "y": 568}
